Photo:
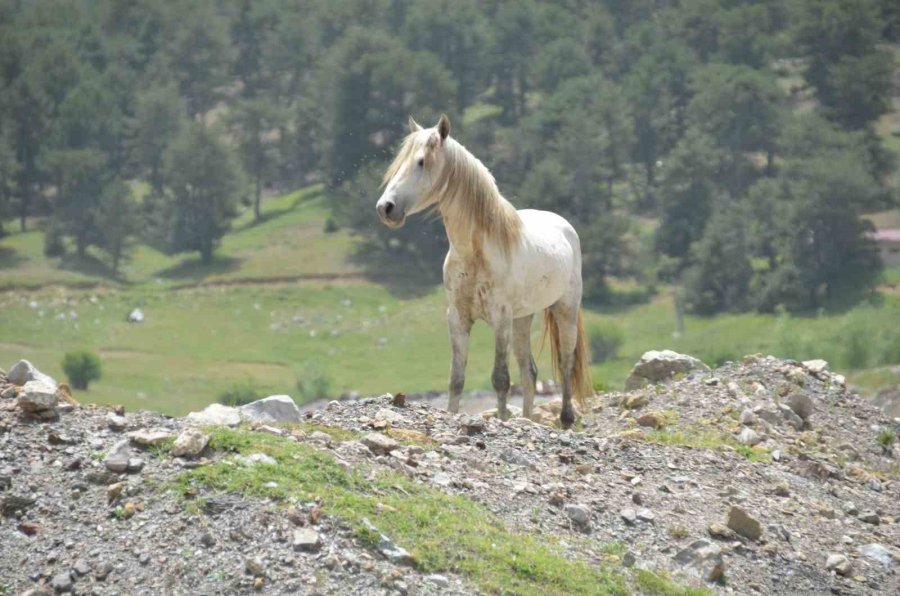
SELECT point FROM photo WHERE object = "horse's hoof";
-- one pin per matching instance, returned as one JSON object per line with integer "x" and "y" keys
{"x": 567, "y": 418}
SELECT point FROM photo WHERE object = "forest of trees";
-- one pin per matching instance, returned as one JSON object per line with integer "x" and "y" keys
{"x": 726, "y": 145}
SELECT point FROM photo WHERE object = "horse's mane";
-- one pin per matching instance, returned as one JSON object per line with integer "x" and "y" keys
{"x": 466, "y": 195}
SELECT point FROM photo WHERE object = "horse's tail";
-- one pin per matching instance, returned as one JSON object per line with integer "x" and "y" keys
{"x": 582, "y": 385}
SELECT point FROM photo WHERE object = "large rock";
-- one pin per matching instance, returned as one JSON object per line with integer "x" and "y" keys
{"x": 37, "y": 396}
{"x": 149, "y": 437}
{"x": 272, "y": 409}
{"x": 801, "y": 404}
{"x": 189, "y": 443}
{"x": 655, "y": 366}
{"x": 24, "y": 371}
{"x": 379, "y": 444}
{"x": 703, "y": 559}
{"x": 741, "y": 522}
{"x": 215, "y": 415}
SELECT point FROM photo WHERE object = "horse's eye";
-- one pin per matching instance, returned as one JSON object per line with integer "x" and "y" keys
{"x": 421, "y": 161}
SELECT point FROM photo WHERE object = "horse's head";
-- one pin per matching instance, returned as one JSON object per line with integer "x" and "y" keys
{"x": 409, "y": 181}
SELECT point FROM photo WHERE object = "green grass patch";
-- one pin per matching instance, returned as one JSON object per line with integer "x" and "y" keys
{"x": 444, "y": 533}
{"x": 654, "y": 583}
{"x": 705, "y": 439}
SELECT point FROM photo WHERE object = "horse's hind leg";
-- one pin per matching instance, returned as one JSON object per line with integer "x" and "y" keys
{"x": 566, "y": 317}
{"x": 500, "y": 377}
{"x": 527, "y": 369}
{"x": 459, "y": 345}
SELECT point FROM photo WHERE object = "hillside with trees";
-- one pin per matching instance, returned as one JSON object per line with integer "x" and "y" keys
{"x": 728, "y": 146}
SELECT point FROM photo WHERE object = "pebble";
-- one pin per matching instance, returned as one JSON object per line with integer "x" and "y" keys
{"x": 189, "y": 443}
{"x": 118, "y": 456}
{"x": 306, "y": 540}
{"x": 580, "y": 516}
{"x": 629, "y": 515}
{"x": 62, "y": 582}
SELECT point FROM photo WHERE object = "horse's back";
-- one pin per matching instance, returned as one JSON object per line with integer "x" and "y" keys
{"x": 549, "y": 227}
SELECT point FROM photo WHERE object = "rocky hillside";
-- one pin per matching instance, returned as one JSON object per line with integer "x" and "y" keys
{"x": 761, "y": 477}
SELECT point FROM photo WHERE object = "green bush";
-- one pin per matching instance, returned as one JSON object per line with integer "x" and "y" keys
{"x": 81, "y": 367}
{"x": 239, "y": 394}
{"x": 606, "y": 339}
{"x": 331, "y": 226}
{"x": 312, "y": 384}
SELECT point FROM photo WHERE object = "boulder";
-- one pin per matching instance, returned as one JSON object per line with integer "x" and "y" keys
{"x": 801, "y": 404}
{"x": 215, "y": 415}
{"x": 189, "y": 443}
{"x": 379, "y": 444}
{"x": 878, "y": 553}
{"x": 149, "y": 437}
{"x": 838, "y": 563}
{"x": 24, "y": 371}
{"x": 656, "y": 366}
{"x": 703, "y": 559}
{"x": 136, "y": 316}
{"x": 271, "y": 410}
{"x": 741, "y": 522}
{"x": 37, "y": 395}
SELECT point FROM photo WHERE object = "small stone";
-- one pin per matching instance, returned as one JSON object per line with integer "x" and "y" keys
{"x": 254, "y": 566}
{"x": 816, "y": 366}
{"x": 149, "y": 438}
{"x": 102, "y": 569}
{"x": 81, "y": 567}
{"x": 440, "y": 581}
{"x": 703, "y": 559}
{"x": 749, "y": 437}
{"x": 190, "y": 443}
{"x": 718, "y": 530}
{"x": 12, "y": 504}
{"x": 579, "y": 515}
{"x": 645, "y": 515}
{"x": 113, "y": 491}
{"x": 748, "y": 418}
{"x": 839, "y": 564}
{"x": 256, "y": 458}
{"x": 782, "y": 489}
{"x": 379, "y": 443}
{"x": 742, "y": 523}
{"x": 116, "y": 422}
{"x": 306, "y": 540}
{"x": 62, "y": 582}
{"x": 474, "y": 425}
{"x": 117, "y": 458}
{"x": 629, "y": 515}
{"x": 652, "y": 420}
{"x": 207, "y": 540}
{"x": 870, "y": 517}
{"x": 135, "y": 465}
{"x": 635, "y": 401}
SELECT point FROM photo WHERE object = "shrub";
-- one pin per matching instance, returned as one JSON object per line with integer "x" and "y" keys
{"x": 312, "y": 384}
{"x": 606, "y": 339}
{"x": 239, "y": 394}
{"x": 331, "y": 226}
{"x": 54, "y": 245}
{"x": 81, "y": 367}
{"x": 886, "y": 439}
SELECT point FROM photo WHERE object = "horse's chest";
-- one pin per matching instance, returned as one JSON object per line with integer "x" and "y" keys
{"x": 473, "y": 292}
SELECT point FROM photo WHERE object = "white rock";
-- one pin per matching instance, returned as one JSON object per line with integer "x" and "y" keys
{"x": 256, "y": 458}
{"x": 215, "y": 415}
{"x": 117, "y": 458}
{"x": 749, "y": 437}
{"x": 838, "y": 563}
{"x": 148, "y": 438}
{"x": 189, "y": 443}
{"x": 37, "y": 396}
{"x": 703, "y": 559}
{"x": 379, "y": 444}
{"x": 816, "y": 366}
{"x": 136, "y": 316}
{"x": 655, "y": 366}
{"x": 24, "y": 371}
{"x": 307, "y": 540}
{"x": 272, "y": 410}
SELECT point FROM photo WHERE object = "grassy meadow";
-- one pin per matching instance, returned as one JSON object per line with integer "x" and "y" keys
{"x": 284, "y": 299}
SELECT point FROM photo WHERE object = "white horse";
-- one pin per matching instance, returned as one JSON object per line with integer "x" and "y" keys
{"x": 503, "y": 265}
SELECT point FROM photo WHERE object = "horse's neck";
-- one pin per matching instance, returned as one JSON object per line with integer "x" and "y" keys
{"x": 466, "y": 240}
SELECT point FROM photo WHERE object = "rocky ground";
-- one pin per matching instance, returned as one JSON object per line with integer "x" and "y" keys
{"x": 761, "y": 477}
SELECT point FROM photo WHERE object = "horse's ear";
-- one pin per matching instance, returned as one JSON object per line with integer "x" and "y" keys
{"x": 413, "y": 125}
{"x": 444, "y": 126}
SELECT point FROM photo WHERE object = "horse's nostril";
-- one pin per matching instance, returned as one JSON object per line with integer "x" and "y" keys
{"x": 388, "y": 208}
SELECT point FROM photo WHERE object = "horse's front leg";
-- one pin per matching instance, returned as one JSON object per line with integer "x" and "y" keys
{"x": 459, "y": 345}
{"x": 500, "y": 377}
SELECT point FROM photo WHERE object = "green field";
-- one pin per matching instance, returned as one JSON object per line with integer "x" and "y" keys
{"x": 283, "y": 299}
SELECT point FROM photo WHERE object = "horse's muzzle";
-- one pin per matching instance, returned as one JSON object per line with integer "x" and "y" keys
{"x": 389, "y": 214}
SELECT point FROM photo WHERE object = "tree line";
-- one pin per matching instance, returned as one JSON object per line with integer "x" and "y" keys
{"x": 726, "y": 145}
